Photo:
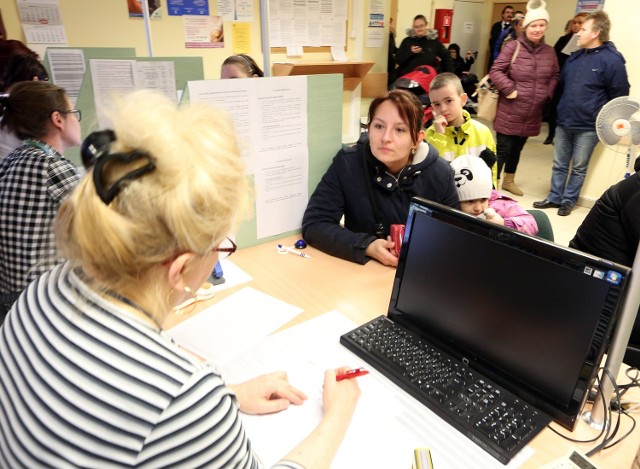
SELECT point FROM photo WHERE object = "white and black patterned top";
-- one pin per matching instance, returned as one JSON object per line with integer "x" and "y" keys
{"x": 86, "y": 383}
{"x": 34, "y": 179}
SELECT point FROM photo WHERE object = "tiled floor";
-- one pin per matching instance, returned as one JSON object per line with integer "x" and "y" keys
{"x": 534, "y": 173}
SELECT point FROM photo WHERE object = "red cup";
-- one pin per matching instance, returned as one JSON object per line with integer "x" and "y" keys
{"x": 397, "y": 234}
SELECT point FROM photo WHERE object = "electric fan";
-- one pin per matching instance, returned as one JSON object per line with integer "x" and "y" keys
{"x": 618, "y": 127}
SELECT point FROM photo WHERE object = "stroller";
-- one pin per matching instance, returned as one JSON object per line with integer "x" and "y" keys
{"x": 417, "y": 82}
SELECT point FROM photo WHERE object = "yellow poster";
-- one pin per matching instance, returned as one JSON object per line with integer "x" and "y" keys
{"x": 241, "y": 38}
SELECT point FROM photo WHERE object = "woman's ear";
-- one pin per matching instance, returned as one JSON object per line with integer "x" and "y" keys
{"x": 421, "y": 135}
{"x": 177, "y": 269}
{"x": 57, "y": 120}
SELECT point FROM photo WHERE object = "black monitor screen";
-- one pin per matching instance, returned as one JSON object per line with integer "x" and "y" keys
{"x": 530, "y": 312}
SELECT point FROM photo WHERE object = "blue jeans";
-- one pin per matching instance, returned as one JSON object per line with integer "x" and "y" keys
{"x": 573, "y": 148}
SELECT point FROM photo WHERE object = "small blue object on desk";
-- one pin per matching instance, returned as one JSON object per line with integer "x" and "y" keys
{"x": 216, "y": 277}
{"x": 300, "y": 244}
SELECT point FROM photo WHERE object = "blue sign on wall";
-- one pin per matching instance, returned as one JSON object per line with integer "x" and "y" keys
{"x": 188, "y": 7}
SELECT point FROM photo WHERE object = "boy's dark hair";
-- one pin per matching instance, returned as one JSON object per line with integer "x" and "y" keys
{"x": 446, "y": 79}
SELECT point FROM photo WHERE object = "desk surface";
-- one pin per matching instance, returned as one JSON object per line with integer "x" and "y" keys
{"x": 361, "y": 293}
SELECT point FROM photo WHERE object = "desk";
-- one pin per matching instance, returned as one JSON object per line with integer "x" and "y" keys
{"x": 361, "y": 293}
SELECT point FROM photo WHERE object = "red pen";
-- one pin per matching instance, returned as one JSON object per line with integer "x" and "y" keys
{"x": 351, "y": 374}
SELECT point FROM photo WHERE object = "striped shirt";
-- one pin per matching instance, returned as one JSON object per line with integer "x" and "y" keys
{"x": 86, "y": 383}
{"x": 34, "y": 179}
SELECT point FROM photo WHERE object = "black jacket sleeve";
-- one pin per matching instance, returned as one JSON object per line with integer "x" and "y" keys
{"x": 321, "y": 222}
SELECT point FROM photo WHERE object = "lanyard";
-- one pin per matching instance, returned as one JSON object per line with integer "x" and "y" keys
{"x": 45, "y": 147}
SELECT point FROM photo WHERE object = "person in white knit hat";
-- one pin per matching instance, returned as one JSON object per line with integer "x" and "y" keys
{"x": 526, "y": 74}
{"x": 473, "y": 180}
{"x": 536, "y": 10}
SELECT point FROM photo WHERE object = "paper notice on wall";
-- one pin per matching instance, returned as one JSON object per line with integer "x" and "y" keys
{"x": 270, "y": 120}
{"x": 112, "y": 78}
{"x": 41, "y": 21}
{"x": 203, "y": 32}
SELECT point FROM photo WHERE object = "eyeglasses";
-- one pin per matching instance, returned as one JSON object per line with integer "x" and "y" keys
{"x": 227, "y": 247}
{"x": 75, "y": 112}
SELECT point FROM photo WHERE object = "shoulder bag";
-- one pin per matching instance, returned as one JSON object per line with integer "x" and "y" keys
{"x": 488, "y": 94}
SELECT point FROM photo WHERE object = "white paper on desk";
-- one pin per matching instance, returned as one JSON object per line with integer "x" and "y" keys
{"x": 226, "y": 329}
{"x": 233, "y": 275}
{"x": 387, "y": 425}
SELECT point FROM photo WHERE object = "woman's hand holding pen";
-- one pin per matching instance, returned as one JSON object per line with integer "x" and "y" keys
{"x": 382, "y": 251}
{"x": 339, "y": 397}
{"x": 267, "y": 394}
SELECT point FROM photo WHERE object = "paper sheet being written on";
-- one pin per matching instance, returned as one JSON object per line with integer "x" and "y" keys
{"x": 228, "y": 328}
{"x": 387, "y": 425}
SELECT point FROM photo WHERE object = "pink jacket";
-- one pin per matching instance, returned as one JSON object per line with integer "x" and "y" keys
{"x": 514, "y": 215}
{"x": 534, "y": 74}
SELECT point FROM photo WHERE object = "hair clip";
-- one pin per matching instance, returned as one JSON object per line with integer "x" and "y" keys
{"x": 95, "y": 145}
{"x": 95, "y": 153}
{"x": 108, "y": 194}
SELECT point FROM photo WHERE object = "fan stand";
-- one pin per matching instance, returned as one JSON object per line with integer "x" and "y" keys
{"x": 596, "y": 417}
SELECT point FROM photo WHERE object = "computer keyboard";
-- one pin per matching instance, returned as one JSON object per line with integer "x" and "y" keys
{"x": 488, "y": 414}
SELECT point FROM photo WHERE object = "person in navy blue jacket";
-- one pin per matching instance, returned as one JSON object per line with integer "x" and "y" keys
{"x": 591, "y": 77}
{"x": 371, "y": 184}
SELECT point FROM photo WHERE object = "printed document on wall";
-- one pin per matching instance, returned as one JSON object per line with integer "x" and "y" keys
{"x": 282, "y": 174}
{"x": 270, "y": 121}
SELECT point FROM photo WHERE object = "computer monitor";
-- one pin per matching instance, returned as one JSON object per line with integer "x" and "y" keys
{"x": 534, "y": 316}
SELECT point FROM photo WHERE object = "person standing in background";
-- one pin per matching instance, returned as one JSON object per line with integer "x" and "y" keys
{"x": 509, "y": 34}
{"x": 497, "y": 28}
{"x": 525, "y": 86}
{"x": 391, "y": 56}
{"x": 423, "y": 48}
{"x": 560, "y": 46}
{"x": 590, "y": 78}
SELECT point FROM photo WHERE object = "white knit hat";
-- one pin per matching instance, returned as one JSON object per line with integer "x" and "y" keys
{"x": 536, "y": 10}
{"x": 472, "y": 178}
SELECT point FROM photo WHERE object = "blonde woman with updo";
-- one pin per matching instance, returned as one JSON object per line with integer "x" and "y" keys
{"x": 87, "y": 377}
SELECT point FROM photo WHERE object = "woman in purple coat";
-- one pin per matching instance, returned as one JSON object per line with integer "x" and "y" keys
{"x": 525, "y": 85}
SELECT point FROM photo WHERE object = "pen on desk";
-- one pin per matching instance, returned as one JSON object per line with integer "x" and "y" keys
{"x": 351, "y": 374}
{"x": 293, "y": 251}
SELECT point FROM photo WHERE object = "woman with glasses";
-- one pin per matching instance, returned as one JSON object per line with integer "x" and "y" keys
{"x": 87, "y": 376}
{"x": 34, "y": 179}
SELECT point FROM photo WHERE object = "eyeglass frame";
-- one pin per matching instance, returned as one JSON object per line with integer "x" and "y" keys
{"x": 75, "y": 112}
{"x": 229, "y": 250}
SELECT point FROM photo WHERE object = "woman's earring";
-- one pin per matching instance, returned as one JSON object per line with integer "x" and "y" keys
{"x": 413, "y": 151}
{"x": 187, "y": 306}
